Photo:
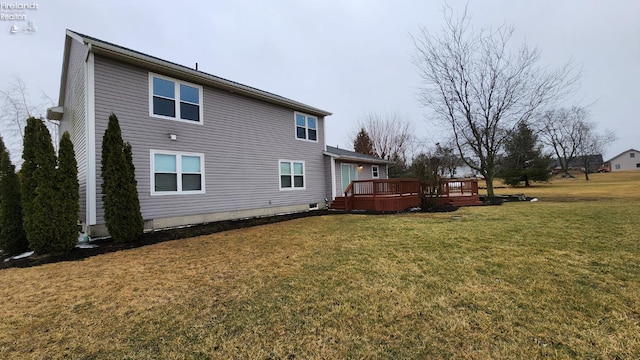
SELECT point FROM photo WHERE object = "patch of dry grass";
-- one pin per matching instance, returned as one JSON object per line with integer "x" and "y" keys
{"x": 557, "y": 278}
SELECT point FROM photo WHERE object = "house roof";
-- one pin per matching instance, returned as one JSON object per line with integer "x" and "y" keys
{"x": 126, "y": 55}
{"x": 594, "y": 160}
{"x": 343, "y": 154}
{"x": 622, "y": 153}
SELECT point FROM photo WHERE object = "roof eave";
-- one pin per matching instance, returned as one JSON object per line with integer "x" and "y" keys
{"x": 155, "y": 64}
{"x": 358, "y": 159}
{"x": 621, "y": 154}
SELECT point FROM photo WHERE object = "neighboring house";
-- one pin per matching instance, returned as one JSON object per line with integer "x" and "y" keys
{"x": 343, "y": 166}
{"x": 595, "y": 163}
{"x": 626, "y": 160}
{"x": 204, "y": 148}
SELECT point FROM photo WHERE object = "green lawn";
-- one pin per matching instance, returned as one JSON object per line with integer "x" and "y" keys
{"x": 557, "y": 278}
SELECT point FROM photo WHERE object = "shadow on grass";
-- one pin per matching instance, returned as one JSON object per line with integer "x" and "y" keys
{"x": 107, "y": 245}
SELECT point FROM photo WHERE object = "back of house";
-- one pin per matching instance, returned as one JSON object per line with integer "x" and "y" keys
{"x": 204, "y": 148}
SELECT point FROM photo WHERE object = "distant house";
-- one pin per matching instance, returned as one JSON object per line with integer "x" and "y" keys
{"x": 344, "y": 166}
{"x": 595, "y": 162}
{"x": 626, "y": 160}
{"x": 204, "y": 148}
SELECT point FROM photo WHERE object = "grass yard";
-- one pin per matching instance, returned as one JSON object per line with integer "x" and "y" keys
{"x": 557, "y": 278}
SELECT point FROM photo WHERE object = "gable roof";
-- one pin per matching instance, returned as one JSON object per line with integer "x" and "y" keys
{"x": 622, "y": 153}
{"x": 342, "y": 154}
{"x": 137, "y": 58}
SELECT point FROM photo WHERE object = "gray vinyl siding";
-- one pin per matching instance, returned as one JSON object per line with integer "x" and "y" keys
{"x": 241, "y": 139}
{"x": 74, "y": 119}
{"x": 328, "y": 179}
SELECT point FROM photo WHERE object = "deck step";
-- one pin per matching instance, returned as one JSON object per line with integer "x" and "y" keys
{"x": 461, "y": 201}
{"x": 339, "y": 203}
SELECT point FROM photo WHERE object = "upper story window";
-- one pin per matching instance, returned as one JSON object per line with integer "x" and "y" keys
{"x": 306, "y": 127}
{"x": 632, "y": 155}
{"x": 176, "y": 173}
{"x": 375, "y": 171}
{"x": 174, "y": 99}
{"x": 291, "y": 175}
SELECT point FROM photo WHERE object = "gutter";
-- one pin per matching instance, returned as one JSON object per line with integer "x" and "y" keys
{"x": 358, "y": 159}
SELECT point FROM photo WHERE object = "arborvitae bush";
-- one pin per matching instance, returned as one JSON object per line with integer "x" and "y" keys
{"x": 12, "y": 237}
{"x": 68, "y": 194}
{"x": 119, "y": 187}
{"x": 38, "y": 187}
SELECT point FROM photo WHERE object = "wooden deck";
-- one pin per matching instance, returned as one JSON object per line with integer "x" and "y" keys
{"x": 458, "y": 192}
{"x": 401, "y": 194}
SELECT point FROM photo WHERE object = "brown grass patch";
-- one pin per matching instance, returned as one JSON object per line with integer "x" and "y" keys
{"x": 523, "y": 280}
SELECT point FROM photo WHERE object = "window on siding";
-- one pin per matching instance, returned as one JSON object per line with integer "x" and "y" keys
{"x": 176, "y": 173}
{"x": 291, "y": 175}
{"x": 375, "y": 171}
{"x": 306, "y": 127}
{"x": 632, "y": 155}
{"x": 617, "y": 166}
{"x": 638, "y": 165}
{"x": 174, "y": 99}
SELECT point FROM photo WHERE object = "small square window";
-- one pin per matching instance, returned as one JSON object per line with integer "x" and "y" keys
{"x": 638, "y": 165}
{"x": 306, "y": 127}
{"x": 291, "y": 175}
{"x": 617, "y": 166}
{"x": 632, "y": 155}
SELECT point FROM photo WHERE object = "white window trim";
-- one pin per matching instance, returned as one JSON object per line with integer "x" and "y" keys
{"x": 177, "y": 99}
{"x": 306, "y": 127}
{"x": 304, "y": 175}
{"x": 178, "y": 155}
{"x": 373, "y": 173}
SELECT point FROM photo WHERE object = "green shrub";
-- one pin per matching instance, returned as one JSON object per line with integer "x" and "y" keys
{"x": 38, "y": 187}
{"x": 12, "y": 237}
{"x": 68, "y": 193}
{"x": 119, "y": 187}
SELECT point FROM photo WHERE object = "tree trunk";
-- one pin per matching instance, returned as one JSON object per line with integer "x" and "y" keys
{"x": 489, "y": 182}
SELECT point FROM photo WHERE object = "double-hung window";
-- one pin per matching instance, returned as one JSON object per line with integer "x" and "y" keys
{"x": 306, "y": 127}
{"x": 291, "y": 175}
{"x": 174, "y": 99}
{"x": 176, "y": 173}
{"x": 375, "y": 171}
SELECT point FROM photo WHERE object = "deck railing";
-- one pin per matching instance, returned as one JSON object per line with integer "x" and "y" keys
{"x": 456, "y": 187}
{"x": 385, "y": 194}
{"x": 376, "y": 188}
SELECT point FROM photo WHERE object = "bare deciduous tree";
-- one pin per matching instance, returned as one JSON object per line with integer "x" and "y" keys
{"x": 594, "y": 143}
{"x": 570, "y": 134}
{"x": 391, "y": 135}
{"x": 16, "y": 105}
{"x": 562, "y": 130}
{"x": 479, "y": 90}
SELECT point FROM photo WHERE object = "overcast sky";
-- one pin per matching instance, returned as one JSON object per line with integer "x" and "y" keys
{"x": 350, "y": 57}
